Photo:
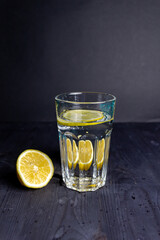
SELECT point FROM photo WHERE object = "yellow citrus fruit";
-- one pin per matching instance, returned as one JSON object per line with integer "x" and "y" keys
{"x": 82, "y": 117}
{"x": 34, "y": 168}
{"x": 72, "y": 153}
{"x": 100, "y": 153}
{"x": 85, "y": 154}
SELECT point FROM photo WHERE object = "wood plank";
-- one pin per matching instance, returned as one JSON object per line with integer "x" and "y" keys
{"x": 127, "y": 208}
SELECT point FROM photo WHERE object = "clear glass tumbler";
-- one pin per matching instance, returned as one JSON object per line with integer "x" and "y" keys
{"x": 84, "y": 122}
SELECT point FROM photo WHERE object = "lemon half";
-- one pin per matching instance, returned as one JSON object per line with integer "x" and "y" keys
{"x": 34, "y": 168}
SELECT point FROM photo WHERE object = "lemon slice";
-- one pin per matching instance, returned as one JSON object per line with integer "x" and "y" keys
{"x": 82, "y": 117}
{"x": 34, "y": 168}
{"x": 85, "y": 154}
{"x": 100, "y": 153}
{"x": 72, "y": 153}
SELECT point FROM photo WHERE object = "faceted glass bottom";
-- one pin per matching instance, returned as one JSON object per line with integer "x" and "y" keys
{"x": 84, "y": 184}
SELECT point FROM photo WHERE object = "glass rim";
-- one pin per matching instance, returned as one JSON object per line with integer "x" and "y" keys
{"x": 57, "y": 97}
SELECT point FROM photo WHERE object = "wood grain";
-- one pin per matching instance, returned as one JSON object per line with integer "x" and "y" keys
{"x": 127, "y": 208}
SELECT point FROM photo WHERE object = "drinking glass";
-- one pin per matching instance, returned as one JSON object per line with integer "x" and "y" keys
{"x": 84, "y": 122}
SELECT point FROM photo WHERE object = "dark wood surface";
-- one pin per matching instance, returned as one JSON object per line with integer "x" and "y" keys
{"x": 127, "y": 208}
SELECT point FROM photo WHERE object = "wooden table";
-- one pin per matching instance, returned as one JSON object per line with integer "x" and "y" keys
{"x": 127, "y": 208}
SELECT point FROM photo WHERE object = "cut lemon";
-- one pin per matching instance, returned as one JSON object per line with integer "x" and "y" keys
{"x": 34, "y": 168}
{"x": 100, "y": 153}
{"x": 85, "y": 154}
{"x": 82, "y": 117}
{"x": 72, "y": 153}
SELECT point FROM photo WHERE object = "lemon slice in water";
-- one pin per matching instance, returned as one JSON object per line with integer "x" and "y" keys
{"x": 100, "y": 153}
{"x": 81, "y": 117}
{"x": 85, "y": 154}
{"x": 72, "y": 153}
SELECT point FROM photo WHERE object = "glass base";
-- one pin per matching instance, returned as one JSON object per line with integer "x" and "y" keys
{"x": 85, "y": 184}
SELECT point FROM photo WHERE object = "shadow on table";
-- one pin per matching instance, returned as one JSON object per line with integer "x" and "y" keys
{"x": 11, "y": 180}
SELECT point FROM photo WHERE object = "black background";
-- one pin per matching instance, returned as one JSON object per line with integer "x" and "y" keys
{"x": 49, "y": 47}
